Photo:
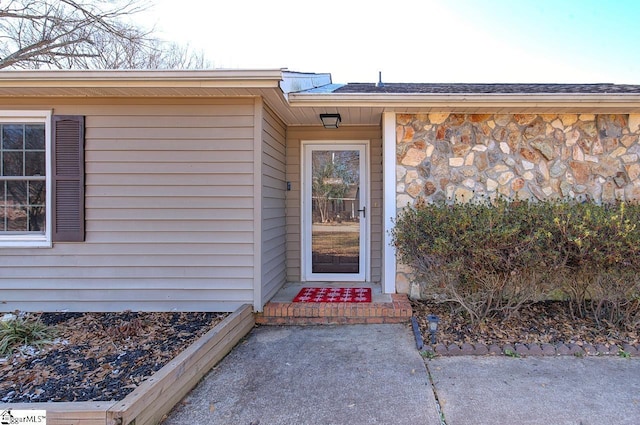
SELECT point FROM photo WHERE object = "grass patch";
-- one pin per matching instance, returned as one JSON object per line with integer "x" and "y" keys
{"x": 24, "y": 330}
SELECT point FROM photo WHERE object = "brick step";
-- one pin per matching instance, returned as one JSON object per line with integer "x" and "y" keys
{"x": 290, "y": 313}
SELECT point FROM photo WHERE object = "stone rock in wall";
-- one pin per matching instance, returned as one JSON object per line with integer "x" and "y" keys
{"x": 544, "y": 170}
{"x": 438, "y": 118}
{"x": 610, "y": 125}
{"x": 633, "y": 171}
{"x": 466, "y": 135}
{"x": 461, "y": 149}
{"x": 529, "y": 155}
{"x": 429, "y": 188}
{"x": 494, "y": 157}
{"x": 456, "y": 162}
{"x": 413, "y": 157}
{"x": 568, "y": 119}
{"x": 400, "y": 172}
{"x": 581, "y": 171}
{"x": 586, "y": 117}
{"x": 502, "y": 119}
{"x": 411, "y": 176}
{"x": 545, "y": 147}
{"x": 572, "y": 137}
{"x": 577, "y": 155}
{"x": 468, "y": 161}
{"x": 514, "y": 138}
{"x": 565, "y": 189}
{"x": 517, "y": 184}
{"x": 595, "y": 191}
{"x": 476, "y": 118}
{"x": 404, "y": 119}
{"x": 632, "y": 193}
{"x": 607, "y": 167}
{"x": 585, "y": 143}
{"x": 492, "y": 185}
{"x": 424, "y": 170}
{"x": 610, "y": 144}
{"x": 443, "y": 148}
{"x": 634, "y": 122}
{"x": 463, "y": 195}
{"x": 557, "y": 124}
{"x": 505, "y": 178}
{"x": 440, "y": 166}
{"x": 414, "y": 189}
{"x": 588, "y": 128}
{"x": 524, "y": 119}
{"x": 402, "y": 200}
{"x": 620, "y": 179}
{"x": 408, "y": 134}
{"x": 456, "y": 120}
{"x": 535, "y": 130}
{"x": 439, "y": 197}
{"x": 481, "y": 161}
{"x": 441, "y": 132}
{"x": 419, "y": 144}
{"x": 500, "y": 134}
{"x": 629, "y": 140}
{"x": 608, "y": 193}
{"x": 557, "y": 169}
{"x": 618, "y": 152}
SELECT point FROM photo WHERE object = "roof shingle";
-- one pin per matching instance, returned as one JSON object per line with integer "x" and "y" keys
{"x": 426, "y": 88}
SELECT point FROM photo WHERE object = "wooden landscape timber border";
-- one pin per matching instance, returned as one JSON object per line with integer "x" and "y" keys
{"x": 156, "y": 396}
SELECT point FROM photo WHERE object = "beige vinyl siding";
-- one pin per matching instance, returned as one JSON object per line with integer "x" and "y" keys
{"x": 169, "y": 212}
{"x": 294, "y": 137}
{"x": 273, "y": 205}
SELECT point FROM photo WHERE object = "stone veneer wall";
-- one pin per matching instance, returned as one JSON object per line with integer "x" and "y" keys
{"x": 472, "y": 157}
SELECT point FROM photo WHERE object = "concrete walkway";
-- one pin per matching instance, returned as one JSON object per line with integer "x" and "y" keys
{"x": 358, "y": 374}
{"x": 538, "y": 390}
{"x": 373, "y": 374}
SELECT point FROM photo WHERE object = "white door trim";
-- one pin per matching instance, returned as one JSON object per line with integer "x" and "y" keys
{"x": 389, "y": 203}
{"x": 305, "y": 217}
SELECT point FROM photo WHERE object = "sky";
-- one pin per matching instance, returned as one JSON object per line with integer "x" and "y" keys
{"x": 422, "y": 41}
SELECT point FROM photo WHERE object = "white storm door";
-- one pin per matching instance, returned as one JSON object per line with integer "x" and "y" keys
{"x": 335, "y": 230}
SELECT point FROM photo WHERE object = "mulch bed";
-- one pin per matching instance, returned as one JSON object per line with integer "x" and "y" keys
{"x": 539, "y": 324}
{"x": 99, "y": 356}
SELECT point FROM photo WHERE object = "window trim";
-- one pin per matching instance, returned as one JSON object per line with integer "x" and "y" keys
{"x": 34, "y": 240}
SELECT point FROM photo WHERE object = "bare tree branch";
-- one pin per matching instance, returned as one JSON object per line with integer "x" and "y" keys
{"x": 84, "y": 34}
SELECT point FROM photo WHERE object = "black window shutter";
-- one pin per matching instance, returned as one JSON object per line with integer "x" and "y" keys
{"x": 68, "y": 178}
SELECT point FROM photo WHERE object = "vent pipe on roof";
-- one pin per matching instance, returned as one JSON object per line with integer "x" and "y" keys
{"x": 379, "y": 83}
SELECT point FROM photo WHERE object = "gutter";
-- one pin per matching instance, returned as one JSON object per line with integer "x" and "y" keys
{"x": 463, "y": 100}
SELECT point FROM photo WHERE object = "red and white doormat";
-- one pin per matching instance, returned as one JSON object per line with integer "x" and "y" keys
{"x": 333, "y": 295}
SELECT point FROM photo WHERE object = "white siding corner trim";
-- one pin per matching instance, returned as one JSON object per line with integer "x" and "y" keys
{"x": 257, "y": 205}
{"x": 389, "y": 197}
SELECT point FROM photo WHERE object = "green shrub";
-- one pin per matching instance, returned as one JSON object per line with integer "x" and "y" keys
{"x": 490, "y": 258}
{"x": 24, "y": 330}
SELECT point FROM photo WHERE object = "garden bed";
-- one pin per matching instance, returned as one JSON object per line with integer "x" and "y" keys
{"x": 150, "y": 392}
{"x": 541, "y": 325}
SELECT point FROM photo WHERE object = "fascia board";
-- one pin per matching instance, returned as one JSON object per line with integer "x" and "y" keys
{"x": 146, "y": 78}
{"x": 463, "y": 100}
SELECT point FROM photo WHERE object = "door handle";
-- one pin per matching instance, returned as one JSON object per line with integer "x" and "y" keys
{"x": 364, "y": 212}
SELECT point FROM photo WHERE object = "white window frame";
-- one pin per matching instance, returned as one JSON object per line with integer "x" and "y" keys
{"x": 33, "y": 240}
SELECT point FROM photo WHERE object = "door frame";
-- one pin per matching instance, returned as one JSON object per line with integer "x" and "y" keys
{"x": 305, "y": 214}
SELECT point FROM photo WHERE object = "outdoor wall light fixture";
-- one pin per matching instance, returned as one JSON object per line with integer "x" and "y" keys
{"x": 433, "y": 327}
{"x": 330, "y": 120}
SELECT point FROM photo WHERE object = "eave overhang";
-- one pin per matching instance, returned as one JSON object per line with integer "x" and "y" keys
{"x": 474, "y": 103}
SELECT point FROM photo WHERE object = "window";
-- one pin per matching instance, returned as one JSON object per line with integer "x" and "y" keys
{"x": 41, "y": 178}
{"x": 25, "y": 182}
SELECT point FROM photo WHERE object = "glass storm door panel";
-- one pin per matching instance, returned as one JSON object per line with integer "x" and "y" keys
{"x": 335, "y": 212}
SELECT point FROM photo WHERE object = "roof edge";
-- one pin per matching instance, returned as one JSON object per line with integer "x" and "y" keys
{"x": 140, "y": 78}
